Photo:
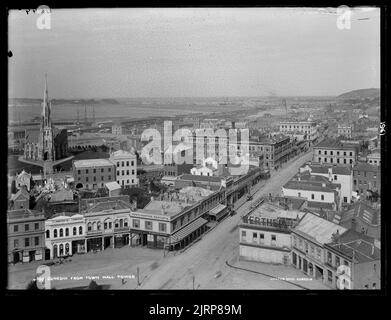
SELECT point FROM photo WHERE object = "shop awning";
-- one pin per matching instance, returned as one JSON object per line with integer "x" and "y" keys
{"x": 185, "y": 231}
{"x": 216, "y": 210}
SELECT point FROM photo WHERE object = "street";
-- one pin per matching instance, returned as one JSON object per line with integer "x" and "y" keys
{"x": 204, "y": 263}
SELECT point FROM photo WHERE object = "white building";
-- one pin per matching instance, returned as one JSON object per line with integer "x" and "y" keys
{"x": 308, "y": 128}
{"x": 126, "y": 167}
{"x": 65, "y": 235}
{"x": 208, "y": 168}
{"x": 317, "y": 190}
{"x": 265, "y": 234}
{"x": 342, "y": 175}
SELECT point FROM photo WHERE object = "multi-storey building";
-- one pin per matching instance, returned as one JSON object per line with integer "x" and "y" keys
{"x": 126, "y": 167}
{"x": 352, "y": 261}
{"x": 345, "y": 131}
{"x": 20, "y": 200}
{"x": 26, "y": 235}
{"x": 93, "y": 173}
{"x": 107, "y": 221}
{"x": 176, "y": 219}
{"x": 65, "y": 235}
{"x": 308, "y": 239}
{"x": 366, "y": 177}
{"x": 265, "y": 234}
{"x": 309, "y": 128}
{"x": 333, "y": 152}
{"x": 277, "y": 150}
{"x": 340, "y": 174}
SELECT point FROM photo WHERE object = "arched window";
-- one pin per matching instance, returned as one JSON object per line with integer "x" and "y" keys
{"x": 74, "y": 231}
{"x": 47, "y": 234}
{"x": 94, "y": 227}
{"x": 116, "y": 225}
{"x": 67, "y": 232}
{"x": 55, "y": 233}
{"x": 121, "y": 223}
{"x": 99, "y": 225}
{"x": 61, "y": 249}
{"x": 89, "y": 226}
{"x": 55, "y": 252}
{"x": 67, "y": 249}
{"x": 125, "y": 222}
{"x": 61, "y": 232}
{"x": 80, "y": 230}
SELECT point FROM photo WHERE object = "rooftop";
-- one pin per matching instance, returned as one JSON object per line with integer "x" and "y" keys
{"x": 163, "y": 207}
{"x": 272, "y": 211}
{"x": 363, "y": 212}
{"x": 304, "y": 185}
{"x": 187, "y": 176}
{"x": 90, "y": 163}
{"x": 112, "y": 185}
{"x": 363, "y": 166}
{"x": 334, "y": 144}
{"x": 318, "y": 228}
{"x": 353, "y": 243}
{"x": 122, "y": 153}
{"x": 109, "y": 205}
{"x": 24, "y": 214}
{"x": 335, "y": 169}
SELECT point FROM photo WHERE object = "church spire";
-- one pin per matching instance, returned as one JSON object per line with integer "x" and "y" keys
{"x": 46, "y": 105}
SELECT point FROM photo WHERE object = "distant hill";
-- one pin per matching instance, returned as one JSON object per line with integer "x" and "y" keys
{"x": 361, "y": 94}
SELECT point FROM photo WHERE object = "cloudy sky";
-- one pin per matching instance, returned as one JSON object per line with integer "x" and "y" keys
{"x": 97, "y": 53}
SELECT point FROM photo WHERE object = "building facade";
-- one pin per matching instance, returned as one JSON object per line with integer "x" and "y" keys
{"x": 126, "y": 167}
{"x": 352, "y": 262}
{"x": 332, "y": 152}
{"x": 265, "y": 234}
{"x": 345, "y": 131}
{"x": 93, "y": 173}
{"x": 26, "y": 235}
{"x": 308, "y": 128}
{"x": 308, "y": 239}
{"x": 65, "y": 235}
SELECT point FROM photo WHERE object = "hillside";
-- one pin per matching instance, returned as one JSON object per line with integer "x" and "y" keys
{"x": 361, "y": 94}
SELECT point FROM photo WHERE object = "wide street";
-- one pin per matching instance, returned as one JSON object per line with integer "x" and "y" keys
{"x": 204, "y": 263}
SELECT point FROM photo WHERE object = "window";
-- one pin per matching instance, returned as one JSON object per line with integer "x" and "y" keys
{"x": 351, "y": 153}
{"x": 127, "y": 163}
{"x": 61, "y": 232}
{"x": 117, "y": 163}
{"x": 36, "y": 241}
{"x": 102, "y": 170}
{"x": 117, "y": 172}
{"x": 26, "y": 242}
{"x": 322, "y": 197}
{"x": 329, "y": 276}
{"x": 86, "y": 171}
{"x": 312, "y": 250}
{"x": 337, "y": 261}
{"x": 16, "y": 228}
{"x": 16, "y": 243}
{"x": 351, "y": 161}
{"x": 74, "y": 231}
{"x": 244, "y": 235}
{"x": 338, "y": 160}
{"x": 331, "y": 152}
{"x": 136, "y": 223}
{"x": 123, "y": 164}
{"x": 78, "y": 171}
{"x": 255, "y": 236}
{"x": 274, "y": 237}
{"x": 335, "y": 177}
{"x": 312, "y": 196}
{"x": 26, "y": 227}
{"x": 123, "y": 172}
{"x": 320, "y": 159}
{"x": 86, "y": 179}
{"x": 55, "y": 233}
{"x": 162, "y": 227}
{"x": 80, "y": 230}
{"x": 109, "y": 170}
{"x": 325, "y": 152}
{"x": 325, "y": 159}
{"x": 329, "y": 258}
{"x": 318, "y": 253}
{"x": 148, "y": 225}
{"x": 94, "y": 171}
{"x": 36, "y": 226}
{"x": 344, "y": 153}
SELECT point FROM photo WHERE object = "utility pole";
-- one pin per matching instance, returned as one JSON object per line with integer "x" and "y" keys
{"x": 138, "y": 276}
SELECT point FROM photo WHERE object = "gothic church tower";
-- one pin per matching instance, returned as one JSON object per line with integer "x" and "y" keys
{"x": 47, "y": 144}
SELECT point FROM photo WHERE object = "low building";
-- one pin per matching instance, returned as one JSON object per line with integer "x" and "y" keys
{"x": 65, "y": 235}
{"x": 175, "y": 170}
{"x": 340, "y": 174}
{"x": 113, "y": 188}
{"x": 352, "y": 261}
{"x": 265, "y": 234}
{"x": 26, "y": 235}
{"x": 366, "y": 178}
{"x": 126, "y": 166}
{"x": 334, "y": 152}
{"x": 93, "y": 173}
{"x": 308, "y": 239}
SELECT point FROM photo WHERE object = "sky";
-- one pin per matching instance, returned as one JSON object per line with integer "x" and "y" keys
{"x": 187, "y": 52}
